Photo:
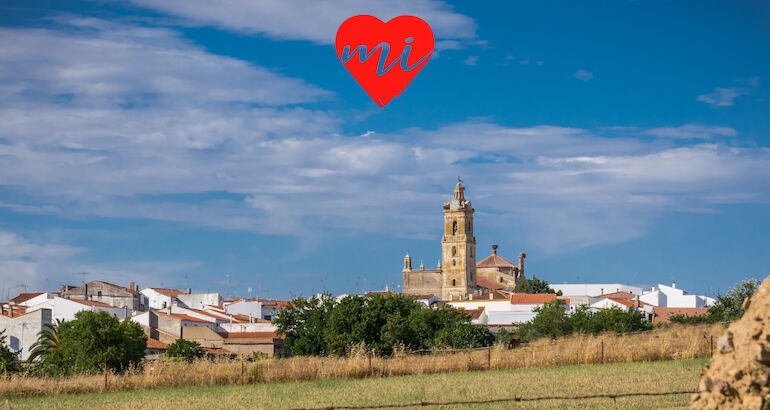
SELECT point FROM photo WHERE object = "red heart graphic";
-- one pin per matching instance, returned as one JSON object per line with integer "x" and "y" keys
{"x": 384, "y": 57}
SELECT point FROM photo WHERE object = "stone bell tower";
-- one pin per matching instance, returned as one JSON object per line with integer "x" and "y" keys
{"x": 458, "y": 247}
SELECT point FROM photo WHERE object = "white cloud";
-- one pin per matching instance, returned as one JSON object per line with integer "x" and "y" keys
{"x": 44, "y": 265}
{"x": 692, "y": 131}
{"x": 313, "y": 20}
{"x": 584, "y": 75}
{"x": 96, "y": 62}
{"x": 471, "y": 60}
{"x": 722, "y": 97}
{"x": 239, "y": 164}
{"x": 725, "y": 97}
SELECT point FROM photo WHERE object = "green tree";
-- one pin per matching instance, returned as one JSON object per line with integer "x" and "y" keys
{"x": 729, "y": 307}
{"x": 183, "y": 349}
{"x": 303, "y": 323}
{"x": 551, "y": 320}
{"x": 464, "y": 335}
{"x": 95, "y": 340}
{"x": 8, "y": 363}
{"x": 48, "y": 342}
{"x": 533, "y": 285}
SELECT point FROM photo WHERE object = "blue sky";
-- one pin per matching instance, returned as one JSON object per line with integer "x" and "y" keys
{"x": 222, "y": 147}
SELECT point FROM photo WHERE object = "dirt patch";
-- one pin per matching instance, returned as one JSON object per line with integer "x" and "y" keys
{"x": 739, "y": 371}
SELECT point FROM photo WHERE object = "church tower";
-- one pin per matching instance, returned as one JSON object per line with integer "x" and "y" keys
{"x": 458, "y": 247}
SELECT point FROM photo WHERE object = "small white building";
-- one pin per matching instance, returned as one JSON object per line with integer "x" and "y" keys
{"x": 502, "y": 308}
{"x": 65, "y": 309}
{"x": 673, "y": 297}
{"x": 161, "y": 298}
{"x": 246, "y": 307}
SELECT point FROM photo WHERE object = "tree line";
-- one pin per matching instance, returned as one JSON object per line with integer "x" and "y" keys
{"x": 323, "y": 326}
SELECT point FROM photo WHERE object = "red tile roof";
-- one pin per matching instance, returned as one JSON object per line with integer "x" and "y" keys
{"x": 182, "y": 317}
{"x": 249, "y": 335}
{"x": 489, "y": 284}
{"x": 663, "y": 314}
{"x": 473, "y": 313}
{"x": 532, "y": 298}
{"x": 618, "y": 295}
{"x": 495, "y": 261}
{"x": 91, "y": 303}
{"x": 156, "y": 344}
{"x": 23, "y": 297}
{"x": 169, "y": 292}
{"x": 17, "y": 311}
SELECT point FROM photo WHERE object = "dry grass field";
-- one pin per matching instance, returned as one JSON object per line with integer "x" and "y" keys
{"x": 677, "y": 342}
{"x": 671, "y": 375}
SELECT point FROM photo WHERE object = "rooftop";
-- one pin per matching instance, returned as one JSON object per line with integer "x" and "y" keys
{"x": 532, "y": 298}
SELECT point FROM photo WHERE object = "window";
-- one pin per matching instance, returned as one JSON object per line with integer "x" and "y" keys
{"x": 99, "y": 293}
{"x": 454, "y": 282}
{"x": 454, "y": 228}
{"x": 454, "y": 262}
{"x": 501, "y": 280}
{"x": 454, "y": 251}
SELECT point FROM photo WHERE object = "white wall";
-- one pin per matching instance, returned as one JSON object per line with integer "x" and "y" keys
{"x": 500, "y": 305}
{"x": 594, "y": 289}
{"x": 38, "y": 299}
{"x": 157, "y": 300}
{"x": 65, "y": 309}
{"x": 245, "y": 307}
{"x": 246, "y": 327}
{"x": 22, "y": 331}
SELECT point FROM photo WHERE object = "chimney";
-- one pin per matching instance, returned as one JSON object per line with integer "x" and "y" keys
{"x": 189, "y": 291}
{"x": 85, "y": 291}
{"x": 638, "y": 302}
{"x": 494, "y": 249}
{"x": 10, "y": 306}
{"x": 602, "y": 291}
{"x": 673, "y": 284}
{"x": 521, "y": 263}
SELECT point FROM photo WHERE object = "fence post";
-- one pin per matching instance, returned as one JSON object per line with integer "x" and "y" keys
{"x": 370, "y": 362}
{"x": 602, "y": 350}
{"x": 711, "y": 345}
{"x": 105, "y": 374}
{"x": 489, "y": 358}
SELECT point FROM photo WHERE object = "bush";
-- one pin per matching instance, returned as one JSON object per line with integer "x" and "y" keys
{"x": 533, "y": 285}
{"x": 183, "y": 349}
{"x": 320, "y": 325}
{"x": 553, "y": 321}
{"x": 8, "y": 363}
{"x": 95, "y": 342}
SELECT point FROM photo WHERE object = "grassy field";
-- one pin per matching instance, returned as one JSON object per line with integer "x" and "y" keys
{"x": 568, "y": 381}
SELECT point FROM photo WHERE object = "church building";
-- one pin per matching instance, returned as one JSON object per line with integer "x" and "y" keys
{"x": 457, "y": 274}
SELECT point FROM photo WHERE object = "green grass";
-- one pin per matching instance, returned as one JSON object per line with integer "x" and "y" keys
{"x": 555, "y": 381}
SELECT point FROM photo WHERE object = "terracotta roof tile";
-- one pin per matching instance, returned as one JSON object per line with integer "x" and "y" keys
{"x": 473, "y": 313}
{"x": 532, "y": 298}
{"x": 489, "y": 284}
{"x": 23, "y": 297}
{"x": 169, "y": 292}
{"x": 495, "y": 261}
{"x": 618, "y": 295}
{"x": 249, "y": 335}
{"x": 156, "y": 344}
{"x": 91, "y": 303}
{"x": 663, "y": 314}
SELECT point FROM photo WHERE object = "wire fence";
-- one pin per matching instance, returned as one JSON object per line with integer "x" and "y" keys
{"x": 613, "y": 396}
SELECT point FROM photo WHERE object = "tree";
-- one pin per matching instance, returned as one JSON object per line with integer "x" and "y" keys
{"x": 48, "y": 342}
{"x": 320, "y": 325}
{"x": 8, "y": 362}
{"x": 95, "y": 340}
{"x": 551, "y": 321}
{"x": 729, "y": 307}
{"x": 533, "y": 285}
{"x": 183, "y": 349}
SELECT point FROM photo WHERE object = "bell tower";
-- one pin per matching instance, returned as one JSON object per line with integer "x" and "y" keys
{"x": 458, "y": 247}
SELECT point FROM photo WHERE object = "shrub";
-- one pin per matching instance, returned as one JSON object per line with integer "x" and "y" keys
{"x": 184, "y": 349}
{"x": 8, "y": 362}
{"x": 533, "y": 285}
{"x": 94, "y": 342}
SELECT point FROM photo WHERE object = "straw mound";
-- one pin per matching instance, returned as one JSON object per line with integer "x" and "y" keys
{"x": 740, "y": 369}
